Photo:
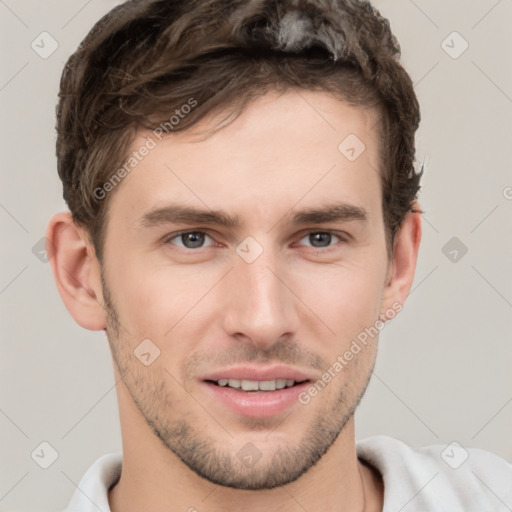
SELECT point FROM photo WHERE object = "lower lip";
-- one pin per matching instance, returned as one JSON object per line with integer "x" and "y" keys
{"x": 263, "y": 404}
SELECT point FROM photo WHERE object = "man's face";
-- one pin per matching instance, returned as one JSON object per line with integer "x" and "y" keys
{"x": 290, "y": 281}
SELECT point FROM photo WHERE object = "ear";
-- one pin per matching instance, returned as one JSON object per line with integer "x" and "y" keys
{"x": 401, "y": 269}
{"x": 76, "y": 271}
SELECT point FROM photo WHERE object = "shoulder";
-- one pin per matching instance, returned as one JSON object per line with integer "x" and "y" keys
{"x": 439, "y": 477}
{"x": 91, "y": 493}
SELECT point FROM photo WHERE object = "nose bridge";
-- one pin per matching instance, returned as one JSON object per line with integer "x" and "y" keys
{"x": 261, "y": 307}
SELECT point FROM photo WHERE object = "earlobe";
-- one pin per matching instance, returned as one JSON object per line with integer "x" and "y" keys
{"x": 76, "y": 271}
{"x": 405, "y": 255}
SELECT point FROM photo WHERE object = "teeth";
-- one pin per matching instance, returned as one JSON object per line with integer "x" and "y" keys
{"x": 281, "y": 383}
{"x": 255, "y": 385}
{"x": 250, "y": 385}
{"x": 267, "y": 385}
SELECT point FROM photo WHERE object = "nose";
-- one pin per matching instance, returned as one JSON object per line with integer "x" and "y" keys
{"x": 260, "y": 306}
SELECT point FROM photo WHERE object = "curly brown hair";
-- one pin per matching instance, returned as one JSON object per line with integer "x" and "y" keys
{"x": 145, "y": 59}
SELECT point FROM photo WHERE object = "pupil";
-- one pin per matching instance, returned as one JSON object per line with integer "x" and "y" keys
{"x": 320, "y": 239}
{"x": 192, "y": 240}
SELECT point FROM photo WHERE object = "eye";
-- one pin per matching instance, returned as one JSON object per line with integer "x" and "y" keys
{"x": 320, "y": 239}
{"x": 191, "y": 239}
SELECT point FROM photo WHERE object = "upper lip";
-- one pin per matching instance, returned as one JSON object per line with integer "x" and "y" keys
{"x": 258, "y": 373}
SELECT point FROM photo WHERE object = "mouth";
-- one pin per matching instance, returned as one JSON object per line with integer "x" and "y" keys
{"x": 254, "y": 390}
{"x": 254, "y": 399}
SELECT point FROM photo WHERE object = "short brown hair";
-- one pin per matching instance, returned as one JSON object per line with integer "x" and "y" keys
{"x": 147, "y": 58}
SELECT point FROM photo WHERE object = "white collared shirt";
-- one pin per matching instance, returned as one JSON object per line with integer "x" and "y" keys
{"x": 428, "y": 479}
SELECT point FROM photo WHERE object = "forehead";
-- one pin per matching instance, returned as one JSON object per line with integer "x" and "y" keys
{"x": 281, "y": 150}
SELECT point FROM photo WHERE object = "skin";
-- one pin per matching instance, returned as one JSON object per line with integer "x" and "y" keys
{"x": 207, "y": 309}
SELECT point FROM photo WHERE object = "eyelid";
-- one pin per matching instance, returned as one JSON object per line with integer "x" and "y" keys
{"x": 342, "y": 235}
{"x": 170, "y": 237}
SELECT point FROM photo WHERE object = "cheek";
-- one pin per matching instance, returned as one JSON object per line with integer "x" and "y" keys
{"x": 150, "y": 300}
{"x": 345, "y": 297}
{"x": 168, "y": 305}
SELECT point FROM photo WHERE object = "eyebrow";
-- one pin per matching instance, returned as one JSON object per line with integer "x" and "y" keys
{"x": 339, "y": 212}
{"x": 177, "y": 214}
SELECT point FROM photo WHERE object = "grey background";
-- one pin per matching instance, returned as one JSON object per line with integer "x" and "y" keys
{"x": 444, "y": 364}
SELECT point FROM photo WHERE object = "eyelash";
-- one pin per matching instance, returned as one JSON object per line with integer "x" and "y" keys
{"x": 342, "y": 237}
